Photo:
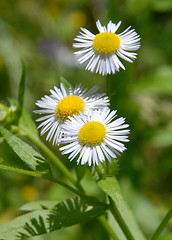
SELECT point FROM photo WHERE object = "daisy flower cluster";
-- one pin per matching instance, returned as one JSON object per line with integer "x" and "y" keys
{"x": 80, "y": 119}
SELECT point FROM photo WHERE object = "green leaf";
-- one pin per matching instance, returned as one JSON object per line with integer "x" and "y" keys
{"x": 162, "y": 225}
{"x": 73, "y": 211}
{"x": 122, "y": 213}
{"x": 66, "y": 213}
{"x": 21, "y": 93}
{"x": 32, "y": 159}
{"x": 105, "y": 169}
{"x": 38, "y": 205}
{"x": 30, "y": 224}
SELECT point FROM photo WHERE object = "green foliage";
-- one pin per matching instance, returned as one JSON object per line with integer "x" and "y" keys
{"x": 28, "y": 155}
{"x": 111, "y": 187}
{"x": 42, "y": 34}
{"x": 66, "y": 213}
{"x": 73, "y": 211}
{"x": 21, "y": 93}
{"x": 105, "y": 169}
{"x": 33, "y": 224}
{"x": 162, "y": 225}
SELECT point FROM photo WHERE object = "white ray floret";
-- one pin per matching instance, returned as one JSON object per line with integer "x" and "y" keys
{"x": 60, "y": 104}
{"x": 94, "y": 137}
{"x": 102, "y": 55}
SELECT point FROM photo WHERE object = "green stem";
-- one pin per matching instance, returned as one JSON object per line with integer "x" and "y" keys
{"x": 108, "y": 228}
{"x": 53, "y": 157}
{"x": 81, "y": 194}
{"x": 22, "y": 171}
{"x": 92, "y": 200}
{"x": 162, "y": 225}
{"x": 39, "y": 175}
{"x": 115, "y": 212}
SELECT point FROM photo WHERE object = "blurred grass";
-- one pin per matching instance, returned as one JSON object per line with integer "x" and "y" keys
{"x": 41, "y": 33}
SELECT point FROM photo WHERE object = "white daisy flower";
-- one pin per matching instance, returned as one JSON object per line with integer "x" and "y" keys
{"x": 61, "y": 104}
{"x": 94, "y": 137}
{"x": 100, "y": 53}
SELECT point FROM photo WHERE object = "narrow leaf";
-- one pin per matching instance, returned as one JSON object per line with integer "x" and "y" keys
{"x": 21, "y": 93}
{"x": 162, "y": 225}
{"x": 32, "y": 158}
{"x": 123, "y": 214}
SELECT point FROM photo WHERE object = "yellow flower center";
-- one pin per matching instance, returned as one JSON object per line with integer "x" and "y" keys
{"x": 69, "y": 106}
{"x": 106, "y": 42}
{"x": 92, "y": 133}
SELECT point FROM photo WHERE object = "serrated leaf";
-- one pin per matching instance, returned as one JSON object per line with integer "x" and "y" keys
{"x": 32, "y": 158}
{"x": 111, "y": 187}
{"x": 30, "y": 224}
{"x": 38, "y": 205}
{"x": 73, "y": 211}
{"x": 66, "y": 213}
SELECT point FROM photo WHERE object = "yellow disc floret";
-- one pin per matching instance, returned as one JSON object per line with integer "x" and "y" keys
{"x": 69, "y": 106}
{"x": 106, "y": 42}
{"x": 92, "y": 133}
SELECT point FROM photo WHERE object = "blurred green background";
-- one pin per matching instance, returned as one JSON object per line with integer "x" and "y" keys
{"x": 41, "y": 33}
